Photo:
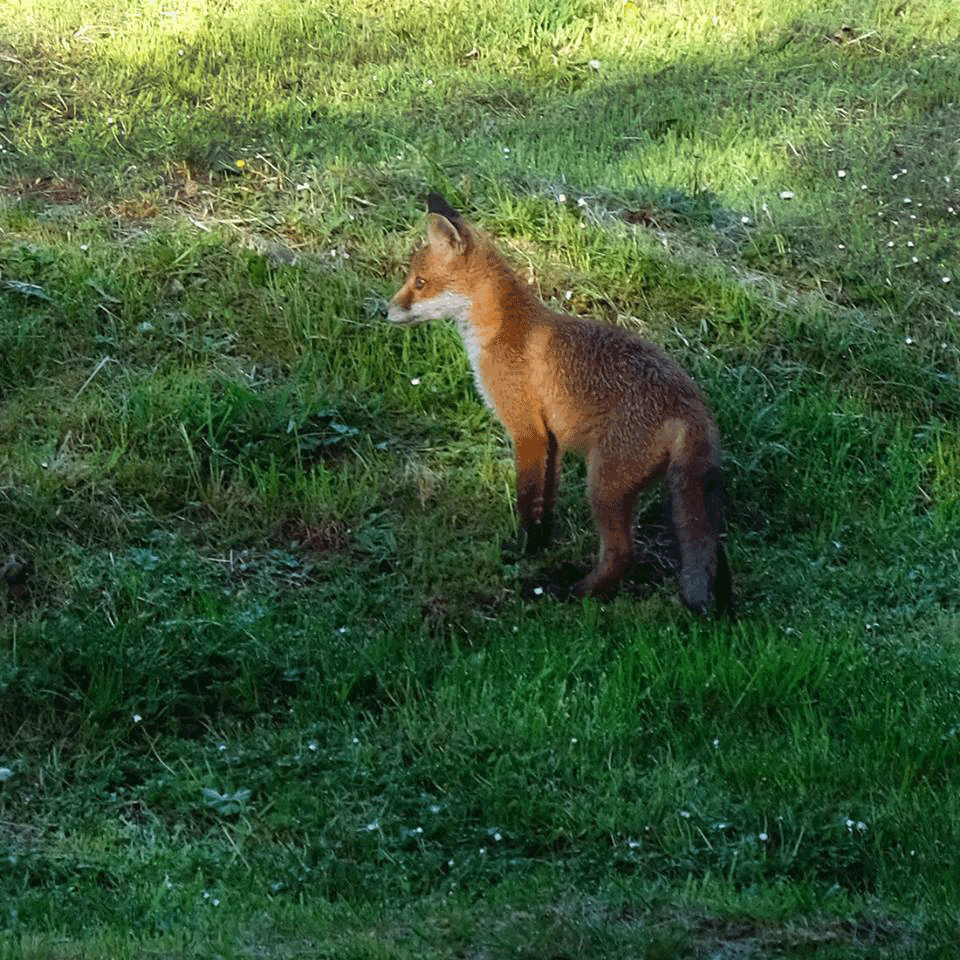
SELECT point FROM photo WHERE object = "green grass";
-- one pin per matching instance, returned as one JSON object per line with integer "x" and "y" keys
{"x": 268, "y": 686}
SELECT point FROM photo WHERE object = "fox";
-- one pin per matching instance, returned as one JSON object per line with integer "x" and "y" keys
{"x": 558, "y": 383}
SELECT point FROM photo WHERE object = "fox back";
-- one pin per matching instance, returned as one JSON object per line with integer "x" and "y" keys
{"x": 558, "y": 383}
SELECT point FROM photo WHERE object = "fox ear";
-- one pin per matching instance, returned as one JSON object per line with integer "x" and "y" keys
{"x": 437, "y": 204}
{"x": 443, "y": 234}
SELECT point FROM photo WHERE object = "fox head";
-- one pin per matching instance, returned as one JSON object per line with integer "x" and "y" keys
{"x": 437, "y": 284}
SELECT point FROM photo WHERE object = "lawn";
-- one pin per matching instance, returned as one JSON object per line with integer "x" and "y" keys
{"x": 270, "y": 683}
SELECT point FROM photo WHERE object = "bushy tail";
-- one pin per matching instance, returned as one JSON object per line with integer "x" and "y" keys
{"x": 697, "y": 496}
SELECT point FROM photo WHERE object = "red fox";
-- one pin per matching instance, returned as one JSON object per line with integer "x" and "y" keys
{"x": 559, "y": 382}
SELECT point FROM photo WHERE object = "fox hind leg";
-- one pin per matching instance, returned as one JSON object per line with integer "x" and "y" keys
{"x": 611, "y": 499}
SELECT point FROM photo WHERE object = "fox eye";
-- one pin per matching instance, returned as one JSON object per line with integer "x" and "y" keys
{"x": 419, "y": 282}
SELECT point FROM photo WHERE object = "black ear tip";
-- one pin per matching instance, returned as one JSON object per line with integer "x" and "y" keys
{"x": 437, "y": 204}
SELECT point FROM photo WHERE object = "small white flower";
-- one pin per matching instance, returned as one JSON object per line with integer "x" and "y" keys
{"x": 841, "y": 246}
{"x": 373, "y": 825}
{"x": 562, "y": 198}
{"x": 716, "y": 743}
{"x": 415, "y": 382}
{"x": 5, "y": 774}
{"x": 787, "y": 194}
{"x": 594, "y": 65}
{"x": 435, "y": 808}
{"x": 537, "y": 591}
{"x": 574, "y": 740}
{"x": 863, "y": 186}
{"x": 221, "y": 747}
{"x": 842, "y": 174}
{"x": 889, "y": 243}
{"x": 762, "y": 837}
{"x": 908, "y": 341}
{"x": 497, "y": 837}
{"x": 915, "y": 259}
{"x": 945, "y": 279}
{"x": 907, "y": 201}
{"x": 582, "y": 202}
{"x": 568, "y": 295}
{"x": 685, "y": 814}
{"x": 312, "y": 745}
{"x": 909, "y": 243}
{"x": 84, "y": 246}
{"x": 136, "y": 718}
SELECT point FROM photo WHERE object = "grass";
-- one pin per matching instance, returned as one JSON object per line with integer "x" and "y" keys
{"x": 267, "y": 684}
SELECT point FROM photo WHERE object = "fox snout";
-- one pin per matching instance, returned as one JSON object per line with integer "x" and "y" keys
{"x": 400, "y": 312}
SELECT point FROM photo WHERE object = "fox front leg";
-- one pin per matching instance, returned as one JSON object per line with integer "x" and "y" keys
{"x": 536, "y": 458}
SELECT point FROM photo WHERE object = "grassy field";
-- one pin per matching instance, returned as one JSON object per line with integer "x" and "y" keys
{"x": 268, "y": 686}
